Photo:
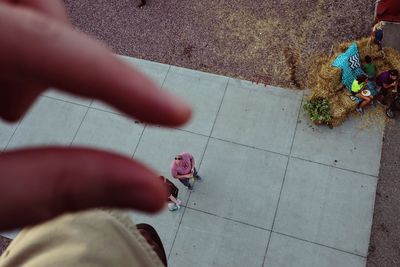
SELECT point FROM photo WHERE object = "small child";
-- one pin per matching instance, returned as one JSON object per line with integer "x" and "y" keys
{"x": 173, "y": 191}
{"x": 369, "y": 68}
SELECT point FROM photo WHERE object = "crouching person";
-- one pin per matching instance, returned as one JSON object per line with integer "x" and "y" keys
{"x": 387, "y": 83}
{"x": 359, "y": 84}
{"x": 183, "y": 168}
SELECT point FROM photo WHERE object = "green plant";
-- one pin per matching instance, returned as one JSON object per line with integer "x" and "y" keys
{"x": 318, "y": 110}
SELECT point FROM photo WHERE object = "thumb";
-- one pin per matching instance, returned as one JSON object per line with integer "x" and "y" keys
{"x": 38, "y": 184}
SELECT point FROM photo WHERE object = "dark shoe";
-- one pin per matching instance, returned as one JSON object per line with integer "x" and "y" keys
{"x": 141, "y": 5}
{"x": 190, "y": 187}
{"x": 390, "y": 113}
{"x": 198, "y": 177}
{"x": 151, "y": 236}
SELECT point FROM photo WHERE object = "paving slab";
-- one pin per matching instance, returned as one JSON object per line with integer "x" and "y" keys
{"x": 258, "y": 116}
{"x": 284, "y": 251}
{"x": 326, "y": 205}
{"x": 50, "y": 121}
{"x": 203, "y": 91}
{"x": 207, "y": 240}
{"x": 155, "y": 71}
{"x": 6, "y": 131}
{"x": 240, "y": 183}
{"x": 109, "y": 131}
{"x": 349, "y": 146}
{"x": 166, "y": 223}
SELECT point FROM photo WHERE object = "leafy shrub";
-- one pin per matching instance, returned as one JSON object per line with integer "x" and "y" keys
{"x": 318, "y": 110}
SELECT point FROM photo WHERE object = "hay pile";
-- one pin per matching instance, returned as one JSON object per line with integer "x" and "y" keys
{"x": 325, "y": 80}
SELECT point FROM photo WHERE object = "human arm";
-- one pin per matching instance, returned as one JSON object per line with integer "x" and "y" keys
{"x": 393, "y": 85}
{"x": 387, "y": 85}
{"x": 176, "y": 175}
{"x": 184, "y": 176}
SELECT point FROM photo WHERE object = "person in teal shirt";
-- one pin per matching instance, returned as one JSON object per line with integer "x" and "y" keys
{"x": 369, "y": 68}
{"x": 356, "y": 88}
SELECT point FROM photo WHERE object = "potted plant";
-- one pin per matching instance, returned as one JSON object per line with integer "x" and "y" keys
{"x": 318, "y": 110}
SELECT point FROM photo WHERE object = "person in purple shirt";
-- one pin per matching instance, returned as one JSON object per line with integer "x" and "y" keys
{"x": 385, "y": 81}
{"x": 183, "y": 168}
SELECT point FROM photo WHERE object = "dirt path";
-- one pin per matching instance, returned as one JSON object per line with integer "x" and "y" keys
{"x": 274, "y": 40}
{"x": 384, "y": 248}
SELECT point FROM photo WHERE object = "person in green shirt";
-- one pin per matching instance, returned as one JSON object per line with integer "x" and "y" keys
{"x": 369, "y": 68}
{"x": 356, "y": 88}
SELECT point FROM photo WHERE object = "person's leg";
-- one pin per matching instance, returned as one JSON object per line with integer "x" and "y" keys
{"x": 378, "y": 38}
{"x": 196, "y": 175}
{"x": 372, "y": 101}
{"x": 366, "y": 100}
{"x": 391, "y": 110}
{"x": 379, "y": 98}
{"x": 173, "y": 206}
{"x": 364, "y": 103}
{"x": 175, "y": 200}
{"x": 90, "y": 239}
{"x": 186, "y": 182}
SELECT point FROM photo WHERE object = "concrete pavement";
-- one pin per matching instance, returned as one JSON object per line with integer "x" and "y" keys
{"x": 277, "y": 191}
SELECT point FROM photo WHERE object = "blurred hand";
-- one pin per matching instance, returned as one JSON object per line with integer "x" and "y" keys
{"x": 40, "y": 49}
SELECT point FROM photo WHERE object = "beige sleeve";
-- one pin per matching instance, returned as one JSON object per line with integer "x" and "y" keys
{"x": 87, "y": 239}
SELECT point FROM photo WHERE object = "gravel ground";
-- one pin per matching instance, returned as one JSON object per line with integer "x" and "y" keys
{"x": 274, "y": 40}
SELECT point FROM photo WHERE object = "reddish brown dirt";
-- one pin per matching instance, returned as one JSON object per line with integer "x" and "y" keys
{"x": 277, "y": 40}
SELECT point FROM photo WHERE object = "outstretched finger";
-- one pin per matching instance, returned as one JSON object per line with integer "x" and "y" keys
{"x": 38, "y": 184}
{"x": 17, "y": 97}
{"x": 64, "y": 58}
